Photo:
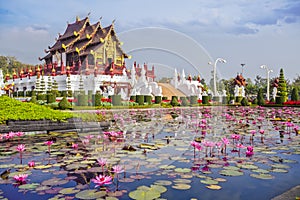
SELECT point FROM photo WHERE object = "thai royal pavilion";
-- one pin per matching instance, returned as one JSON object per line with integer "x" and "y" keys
{"x": 86, "y": 57}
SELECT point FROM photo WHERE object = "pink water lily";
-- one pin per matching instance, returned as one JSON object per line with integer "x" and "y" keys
{"x": 31, "y": 163}
{"x": 21, "y": 147}
{"x": 261, "y": 131}
{"x": 49, "y": 143}
{"x": 118, "y": 169}
{"x": 75, "y": 146}
{"x": 21, "y": 178}
{"x": 225, "y": 141}
{"x": 235, "y": 136}
{"x": 102, "y": 180}
{"x": 19, "y": 133}
{"x": 102, "y": 162}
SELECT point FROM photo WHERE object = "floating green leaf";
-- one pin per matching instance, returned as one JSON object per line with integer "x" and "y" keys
{"x": 227, "y": 172}
{"x": 90, "y": 194}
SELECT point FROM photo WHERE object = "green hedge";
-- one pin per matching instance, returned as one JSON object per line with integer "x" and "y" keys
{"x": 205, "y": 99}
{"x": 164, "y": 98}
{"x": 174, "y": 101}
{"x": 133, "y": 98}
{"x": 184, "y": 101}
{"x": 140, "y": 99}
{"x": 116, "y": 100}
{"x": 238, "y": 99}
{"x": 64, "y": 104}
{"x": 82, "y": 100}
{"x": 51, "y": 98}
{"x": 193, "y": 100}
{"x": 158, "y": 99}
{"x": 148, "y": 99}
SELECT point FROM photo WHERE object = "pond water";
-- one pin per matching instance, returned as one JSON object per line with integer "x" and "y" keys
{"x": 180, "y": 153}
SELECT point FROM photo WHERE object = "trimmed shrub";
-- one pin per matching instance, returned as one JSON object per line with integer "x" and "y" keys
{"x": 64, "y": 104}
{"x": 97, "y": 100}
{"x": 205, "y": 99}
{"x": 148, "y": 99}
{"x": 184, "y": 101}
{"x": 33, "y": 99}
{"x": 260, "y": 98}
{"x": 193, "y": 100}
{"x": 174, "y": 101}
{"x": 225, "y": 99}
{"x": 51, "y": 98}
{"x": 116, "y": 100}
{"x": 133, "y": 98}
{"x": 63, "y": 93}
{"x": 238, "y": 99}
{"x": 279, "y": 100}
{"x": 82, "y": 100}
{"x": 158, "y": 99}
{"x": 295, "y": 94}
{"x": 140, "y": 99}
{"x": 41, "y": 97}
{"x": 254, "y": 101}
{"x": 244, "y": 102}
{"x": 282, "y": 88}
{"x": 164, "y": 98}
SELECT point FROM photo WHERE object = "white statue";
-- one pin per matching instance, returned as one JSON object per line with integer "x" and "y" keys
{"x": 1, "y": 82}
{"x": 274, "y": 92}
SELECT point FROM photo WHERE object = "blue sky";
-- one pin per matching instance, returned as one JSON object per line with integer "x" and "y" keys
{"x": 253, "y": 32}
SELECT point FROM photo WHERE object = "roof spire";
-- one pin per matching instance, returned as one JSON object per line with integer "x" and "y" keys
{"x": 77, "y": 18}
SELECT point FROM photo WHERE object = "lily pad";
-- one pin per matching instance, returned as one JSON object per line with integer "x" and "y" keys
{"x": 183, "y": 170}
{"x": 68, "y": 191}
{"x": 163, "y": 182}
{"x": 90, "y": 194}
{"x": 144, "y": 193}
{"x": 214, "y": 187}
{"x": 227, "y": 172}
{"x": 262, "y": 176}
{"x": 181, "y": 186}
{"x": 55, "y": 181}
{"x": 209, "y": 182}
{"x": 280, "y": 166}
{"x": 31, "y": 186}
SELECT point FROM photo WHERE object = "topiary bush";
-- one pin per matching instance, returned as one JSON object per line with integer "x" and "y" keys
{"x": 33, "y": 99}
{"x": 174, "y": 101}
{"x": 116, "y": 100}
{"x": 158, "y": 99}
{"x": 97, "y": 99}
{"x": 140, "y": 99}
{"x": 51, "y": 98}
{"x": 205, "y": 100}
{"x": 244, "y": 102}
{"x": 164, "y": 98}
{"x": 64, "y": 104}
{"x": 82, "y": 100}
{"x": 295, "y": 94}
{"x": 133, "y": 98}
{"x": 184, "y": 101}
{"x": 148, "y": 99}
{"x": 260, "y": 98}
{"x": 193, "y": 100}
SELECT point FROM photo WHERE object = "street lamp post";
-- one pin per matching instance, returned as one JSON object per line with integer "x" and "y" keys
{"x": 268, "y": 79}
{"x": 214, "y": 75}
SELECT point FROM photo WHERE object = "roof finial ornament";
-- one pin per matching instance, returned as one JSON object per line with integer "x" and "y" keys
{"x": 113, "y": 22}
{"x": 89, "y": 14}
{"x": 77, "y": 18}
{"x": 100, "y": 18}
